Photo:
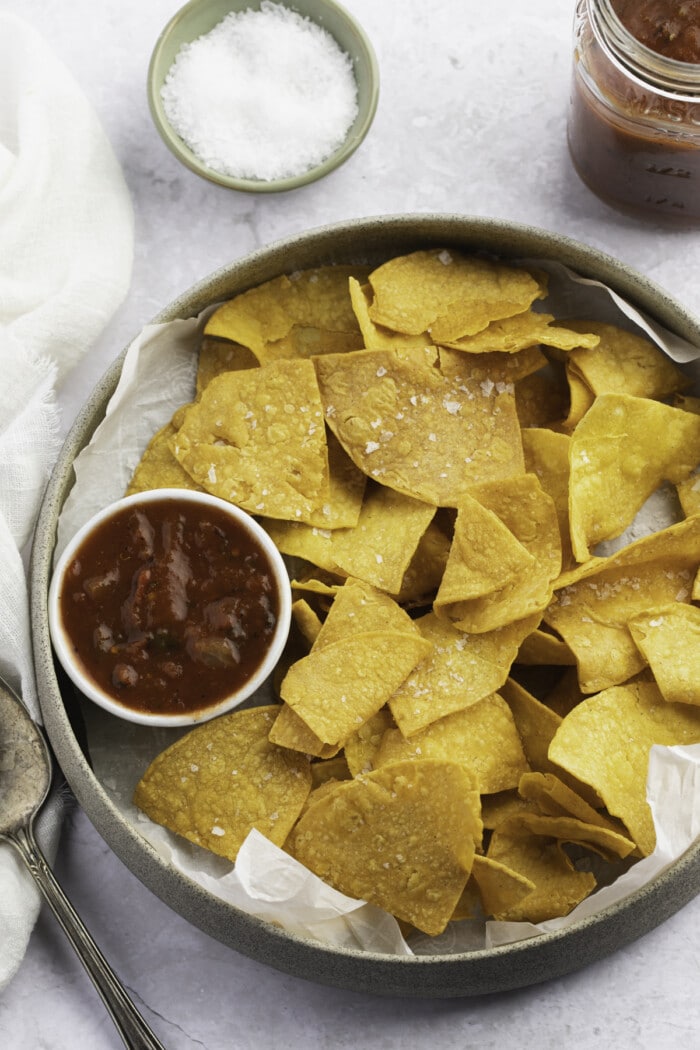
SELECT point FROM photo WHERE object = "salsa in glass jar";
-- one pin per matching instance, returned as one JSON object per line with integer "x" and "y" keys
{"x": 634, "y": 118}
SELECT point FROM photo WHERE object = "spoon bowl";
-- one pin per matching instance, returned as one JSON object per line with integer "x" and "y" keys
{"x": 25, "y": 766}
{"x": 26, "y": 772}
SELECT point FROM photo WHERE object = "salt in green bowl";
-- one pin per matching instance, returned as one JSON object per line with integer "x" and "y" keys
{"x": 199, "y": 17}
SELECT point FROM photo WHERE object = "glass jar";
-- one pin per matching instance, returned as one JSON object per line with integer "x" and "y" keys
{"x": 634, "y": 119}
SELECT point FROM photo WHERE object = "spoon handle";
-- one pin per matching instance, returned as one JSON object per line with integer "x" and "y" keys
{"x": 133, "y": 1029}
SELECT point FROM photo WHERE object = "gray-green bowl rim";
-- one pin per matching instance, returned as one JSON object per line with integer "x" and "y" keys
{"x": 354, "y": 140}
{"x": 485, "y": 971}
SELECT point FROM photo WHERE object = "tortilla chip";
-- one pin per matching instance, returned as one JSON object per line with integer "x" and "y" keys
{"x": 358, "y": 607}
{"x": 542, "y": 860}
{"x": 158, "y": 468}
{"x": 362, "y": 747}
{"x": 483, "y": 737}
{"x": 581, "y": 397}
{"x": 447, "y": 293}
{"x": 554, "y": 798}
{"x": 565, "y": 829}
{"x": 500, "y": 888}
{"x": 220, "y": 355}
{"x": 307, "y": 620}
{"x": 263, "y": 318}
{"x": 529, "y": 514}
{"x": 380, "y": 547}
{"x": 257, "y": 439}
{"x": 460, "y": 670}
{"x": 547, "y": 457}
{"x": 484, "y": 557}
{"x": 290, "y": 731}
{"x": 594, "y": 604}
{"x": 411, "y": 428}
{"x": 621, "y": 451}
{"x": 340, "y": 685}
{"x": 374, "y": 336}
{"x": 519, "y": 331}
{"x": 605, "y": 742}
{"x": 669, "y": 640}
{"x": 402, "y": 837}
{"x": 624, "y": 362}
{"x": 224, "y": 778}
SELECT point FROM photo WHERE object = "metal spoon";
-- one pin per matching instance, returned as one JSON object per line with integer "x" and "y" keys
{"x": 26, "y": 770}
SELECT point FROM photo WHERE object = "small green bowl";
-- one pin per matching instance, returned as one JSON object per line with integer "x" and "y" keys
{"x": 200, "y": 16}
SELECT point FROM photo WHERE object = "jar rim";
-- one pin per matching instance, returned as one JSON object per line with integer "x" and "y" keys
{"x": 671, "y": 76}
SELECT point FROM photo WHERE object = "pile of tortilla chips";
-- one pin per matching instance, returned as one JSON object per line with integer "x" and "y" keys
{"x": 471, "y": 688}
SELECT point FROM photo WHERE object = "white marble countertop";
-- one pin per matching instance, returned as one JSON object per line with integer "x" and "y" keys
{"x": 471, "y": 120}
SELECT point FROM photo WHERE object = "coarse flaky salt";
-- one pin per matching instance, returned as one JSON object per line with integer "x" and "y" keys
{"x": 264, "y": 95}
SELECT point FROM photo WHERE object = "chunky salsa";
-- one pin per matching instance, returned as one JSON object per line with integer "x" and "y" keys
{"x": 635, "y": 146}
{"x": 670, "y": 29}
{"x": 170, "y": 607}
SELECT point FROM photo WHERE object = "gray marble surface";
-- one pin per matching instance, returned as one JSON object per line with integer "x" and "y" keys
{"x": 472, "y": 120}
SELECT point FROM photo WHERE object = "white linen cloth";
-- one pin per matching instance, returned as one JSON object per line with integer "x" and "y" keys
{"x": 66, "y": 255}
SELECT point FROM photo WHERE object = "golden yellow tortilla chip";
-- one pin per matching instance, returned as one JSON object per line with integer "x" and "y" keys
{"x": 484, "y": 557}
{"x": 224, "y": 778}
{"x": 257, "y": 439}
{"x": 447, "y": 293}
{"x": 594, "y": 603}
{"x": 264, "y": 318}
{"x": 669, "y": 640}
{"x": 374, "y": 336}
{"x": 402, "y": 837}
{"x": 547, "y": 457}
{"x": 496, "y": 809}
{"x": 530, "y": 516}
{"x": 299, "y": 540}
{"x": 542, "y": 860}
{"x": 158, "y": 468}
{"x": 624, "y": 362}
{"x": 220, "y": 355}
{"x": 380, "y": 546}
{"x": 290, "y": 731}
{"x": 621, "y": 451}
{"x": 554, "y": 798}
{"x": 460, "y": 670}
{"x": 516, "y": 332}
{"x": 605, "y": 742}
{"x": 307, "y": 620}
{"x": 411, "y": 428}
{"x": 581, "y": 397}
{"x": 566, "y": 829}
{"x": 359, "y": 607}
{"x": 340, "y": 685}
{"x": 482, "y": 736}
{"x": 536, "y": 724}
{"x": 361, "y": 748}
{"x": 500, "y": 888}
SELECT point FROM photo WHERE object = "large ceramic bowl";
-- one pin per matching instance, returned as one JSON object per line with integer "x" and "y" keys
{"x": 543, "y": 957}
